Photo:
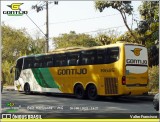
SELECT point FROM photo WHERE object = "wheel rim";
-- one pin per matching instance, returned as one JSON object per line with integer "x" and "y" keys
{"x": 79, "y": 92}
{"x": 27, "y": 89}
{"x": 92, "y": 92}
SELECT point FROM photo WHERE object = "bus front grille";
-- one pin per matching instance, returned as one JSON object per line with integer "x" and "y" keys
{"x": 111, "y": 85}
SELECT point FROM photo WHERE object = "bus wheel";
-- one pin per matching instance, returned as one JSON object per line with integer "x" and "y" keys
{"x": 79, "y": 91}
{"x": 27, "y": 89}
{"x": 92, "y": 92}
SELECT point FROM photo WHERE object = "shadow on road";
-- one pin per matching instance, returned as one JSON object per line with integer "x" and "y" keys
{"x": 122, "y": 99}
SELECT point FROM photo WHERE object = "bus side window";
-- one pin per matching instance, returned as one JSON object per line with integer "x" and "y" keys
{"x": 48, "y": 61}
{"x": 38, "y": 62}
{"x": 88, "y": 57}
{"x": 60, "y": 60}
{"x": 73, "y": 59}
{"x": 100, "y": 56}
{"x": 36, "y": 65}
{"x": 28, "y": 62}
{"x": 112, "y": 55}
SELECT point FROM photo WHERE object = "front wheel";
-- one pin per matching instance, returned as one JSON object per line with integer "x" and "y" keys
{"x": 27, "y": 89}
{"x": 92, "y": 92}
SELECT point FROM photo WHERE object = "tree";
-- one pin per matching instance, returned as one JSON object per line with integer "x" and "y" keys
{"x": 126, "y": 37}
{"x": 124, "y": 7}
{"x": 37, "y": 45}
{"x": 16, "y": 43}
{"x": 149, "y": 25}
{"x": 107, "y": 37}
{"x": 149, "y": 29}
{"x": 40, "y": 7}
{"x": 73, "y": 39}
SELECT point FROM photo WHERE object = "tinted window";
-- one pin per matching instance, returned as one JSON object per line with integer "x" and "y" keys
{"x": 73, "y": 58}
{"x": 60, "y": 60}
{"x": 100, "y": 56}
{"x": 88, "y": 57}
{"x": 112, "y": 55}
{"x": 48, "y": 61}
{"x": 38, "y": 62}
{"x": 28, "y": 62}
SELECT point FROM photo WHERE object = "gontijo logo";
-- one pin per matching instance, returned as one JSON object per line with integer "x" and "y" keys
{"x": 136, "y": 51}
{"x": 15, "y": 6}
{"x": 16, "y": 11}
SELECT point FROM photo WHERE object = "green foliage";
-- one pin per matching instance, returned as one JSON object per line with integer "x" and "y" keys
{"x": 149, "y": 25}
{"x": 72, "y": 39}
{"x": 149, "y": 10}
{"x": 16, "y": 43}
{"x": 153, "y": 55}
{"x": 127, "y": 37}
{"x": 154, "y": 78}
{"x": 124, "y": 7}
{"x": 37, "y": 46}
{"x": 108, "y": 37}
{"x": 7, "y": 78}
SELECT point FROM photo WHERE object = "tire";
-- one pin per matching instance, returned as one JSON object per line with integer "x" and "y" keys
{"x": 92, "y": 92}
{"x": 79, "y": 91}
{"x": 27, "y": 89}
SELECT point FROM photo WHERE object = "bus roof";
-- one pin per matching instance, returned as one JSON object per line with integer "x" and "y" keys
{"x": 76, "y": 49}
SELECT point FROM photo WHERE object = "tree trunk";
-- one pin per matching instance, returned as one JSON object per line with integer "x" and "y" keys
{"x": 125, "y": 22}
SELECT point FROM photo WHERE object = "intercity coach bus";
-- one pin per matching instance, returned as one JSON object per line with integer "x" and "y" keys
{"x": 111, "y": 70}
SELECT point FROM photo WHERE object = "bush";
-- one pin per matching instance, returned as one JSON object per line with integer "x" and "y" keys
{"x": 7, "y": 77}
{"x": 153, "y": 78}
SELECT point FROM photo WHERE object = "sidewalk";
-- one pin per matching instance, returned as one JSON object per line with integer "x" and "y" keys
{"x": 8, "y": 88}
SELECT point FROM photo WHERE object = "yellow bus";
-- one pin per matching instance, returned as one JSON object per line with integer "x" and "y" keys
{"x": 111, "y": 70}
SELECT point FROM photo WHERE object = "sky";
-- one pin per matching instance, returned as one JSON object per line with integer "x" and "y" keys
{"x": 78, "y": 16}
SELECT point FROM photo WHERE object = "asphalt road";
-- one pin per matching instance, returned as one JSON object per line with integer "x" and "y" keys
{"x": 68, "y": 105}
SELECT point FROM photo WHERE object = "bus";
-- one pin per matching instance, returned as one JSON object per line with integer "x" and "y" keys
{"x": 111, "y": 70}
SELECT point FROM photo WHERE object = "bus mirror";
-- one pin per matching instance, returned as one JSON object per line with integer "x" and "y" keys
{"x": 11, "y": 70}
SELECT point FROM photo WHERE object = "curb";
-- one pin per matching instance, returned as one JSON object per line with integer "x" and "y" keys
{"x": 11, "y": 88}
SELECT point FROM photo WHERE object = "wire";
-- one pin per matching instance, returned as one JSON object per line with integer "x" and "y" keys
{"x": 105, "y": 29}
{"x": 36, "y": 25}
{"x": 82, "y": 19}
{"x": 68, "y": 21}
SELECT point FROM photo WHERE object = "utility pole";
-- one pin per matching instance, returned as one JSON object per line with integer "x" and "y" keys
{"x": 47, "y": 29}
{"x": 38, "y": 9}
